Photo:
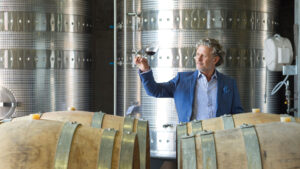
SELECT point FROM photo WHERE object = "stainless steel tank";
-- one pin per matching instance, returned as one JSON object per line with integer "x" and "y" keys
{"x": 45, "y": 56}
{"x": 241, "y": 26}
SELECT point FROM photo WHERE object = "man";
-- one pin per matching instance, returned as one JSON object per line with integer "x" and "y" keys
{"x": 202, "y": 94}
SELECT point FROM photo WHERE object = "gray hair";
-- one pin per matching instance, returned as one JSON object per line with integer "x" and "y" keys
{"x": 215, "y": 45}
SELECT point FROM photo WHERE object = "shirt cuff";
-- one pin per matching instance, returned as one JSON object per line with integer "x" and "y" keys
{"x": 144, "y": 72}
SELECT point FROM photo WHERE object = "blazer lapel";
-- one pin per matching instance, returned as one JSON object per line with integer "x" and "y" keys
{"x": 219, "y": 93}
{"x": 193, "y": 87}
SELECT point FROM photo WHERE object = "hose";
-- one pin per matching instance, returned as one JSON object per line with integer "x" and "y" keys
{"x": 279, "y": 85}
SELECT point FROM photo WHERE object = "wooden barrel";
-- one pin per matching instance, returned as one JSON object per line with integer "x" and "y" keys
{"x": 36, "y": 144}
{"x": 224, "y": 122}
{"x": 263, "y": 146}
{"x": 102, "y": 120}
{"x": 230, "y": 121}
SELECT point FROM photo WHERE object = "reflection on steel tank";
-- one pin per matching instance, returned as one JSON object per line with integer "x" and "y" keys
{"x": 44, "y": 56}
{"x": 176, "y": 25}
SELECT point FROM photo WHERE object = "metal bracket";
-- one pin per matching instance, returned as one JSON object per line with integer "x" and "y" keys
{"x": 228, "y": 121}
{"x": 106, "y": 149}
{"x": 64, "y": 145}
{"x": 136, "y": 20}
{"x": 97, "y": 119}
{"x": 133, "y": 14}
{"x": 208, "y": 149}
{"x": 289, "y": 70}
{"x": 251, "y": 146}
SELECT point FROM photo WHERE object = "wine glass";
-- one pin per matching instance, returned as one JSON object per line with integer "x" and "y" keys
{"x": 151, "y": 50}
{"x": 148, "y": 50}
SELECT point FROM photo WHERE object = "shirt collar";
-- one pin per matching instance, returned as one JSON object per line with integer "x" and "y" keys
{"x": 214, "y": 76}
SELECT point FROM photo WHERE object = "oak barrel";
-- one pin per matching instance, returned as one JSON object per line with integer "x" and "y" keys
{"x": 224, "y": 122}
{"x": 102, "y": 120}
{"x": 36, "y": 144}
{"x": 218, "y": 123}
{"x": 263, "y": 146}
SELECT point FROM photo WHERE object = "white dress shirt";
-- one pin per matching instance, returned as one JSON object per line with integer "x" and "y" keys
{"x": 205, "y": 101}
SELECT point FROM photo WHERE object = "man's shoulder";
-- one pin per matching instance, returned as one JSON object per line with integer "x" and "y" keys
{"x": 225, "y": 78}
{"x": 187, "y": 73}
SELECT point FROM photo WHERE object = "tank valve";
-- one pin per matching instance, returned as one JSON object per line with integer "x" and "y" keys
{"x": 167, "y": 125}
{"x": 7, "y": 104}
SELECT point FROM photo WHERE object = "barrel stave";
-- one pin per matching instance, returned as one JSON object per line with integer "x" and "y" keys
{"x": 32, "y": 144}
{"x": 278, "y": 146}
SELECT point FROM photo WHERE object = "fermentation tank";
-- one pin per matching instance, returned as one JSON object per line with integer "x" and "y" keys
{"x": 241, "y": 26}
{"x": 44, "y": 56}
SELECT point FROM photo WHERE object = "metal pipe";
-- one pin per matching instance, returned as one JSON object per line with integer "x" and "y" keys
{"x": 115, "y": 57}
{"x": 297, "y": 47}
{"x": 134, "y": 21}
{"x": 288, "y": 97}
{"x": 125, "y": 56}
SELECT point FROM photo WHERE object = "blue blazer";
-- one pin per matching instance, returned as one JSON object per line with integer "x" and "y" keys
{"x": 182, "y": 89}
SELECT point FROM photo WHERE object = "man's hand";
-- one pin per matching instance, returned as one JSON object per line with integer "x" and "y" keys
{"x": 142, "y": 63}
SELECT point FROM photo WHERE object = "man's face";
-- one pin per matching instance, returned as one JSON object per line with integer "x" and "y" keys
{"x": 205, "y": 61}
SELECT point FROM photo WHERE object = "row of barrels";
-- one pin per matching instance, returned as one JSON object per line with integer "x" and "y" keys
{"x": 247, "y": 140}
{"x": 74, "y": 140}
{"x": 78, "y": 140}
